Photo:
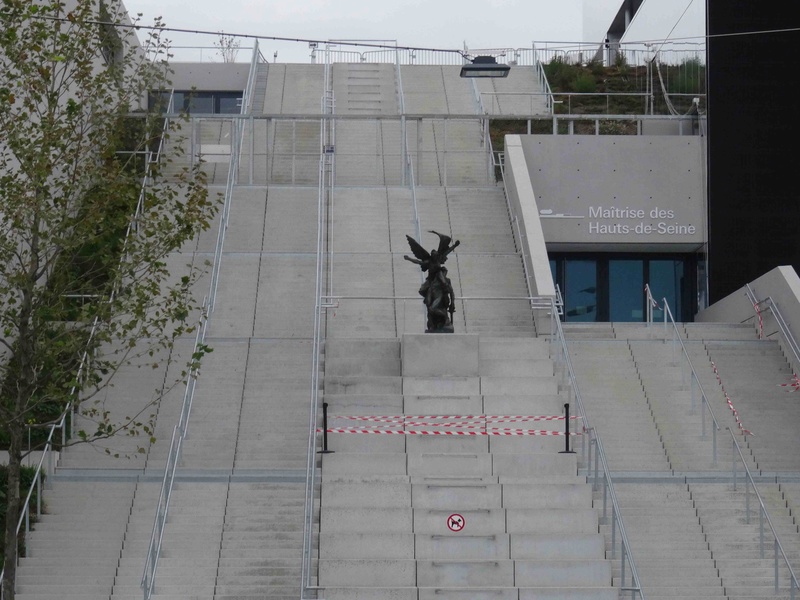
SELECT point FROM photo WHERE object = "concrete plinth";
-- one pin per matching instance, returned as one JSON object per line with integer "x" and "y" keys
{"x": 445, "y": 355}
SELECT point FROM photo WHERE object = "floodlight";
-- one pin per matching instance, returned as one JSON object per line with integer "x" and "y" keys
{"x": 484, "y": 66}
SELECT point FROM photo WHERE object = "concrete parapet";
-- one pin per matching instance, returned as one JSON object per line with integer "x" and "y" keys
{"x": 446, "y": 355}
{"x": 493, "y": 546}
{"x": 540, "y": 546}
{"x": 562, "y": 573}
{"x": 367, "y": 572}
{"x": 451, "y": 464}
{"x": 551, "y": 520}
{"x": 534, "y": 465}
{"x": 444, "y": 405}
{"x": 441, "y": 386}
{"x": 490, "y": 573}
{"x": 533, "y": 386}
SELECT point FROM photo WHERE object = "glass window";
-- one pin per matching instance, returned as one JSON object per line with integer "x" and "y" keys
{"x": 581, "y": 290}
{"x": 201, "y": 103}
{"x": 626, "y": 290}
{"x": 666, "y": 281}
{"x": 230, "y": 104}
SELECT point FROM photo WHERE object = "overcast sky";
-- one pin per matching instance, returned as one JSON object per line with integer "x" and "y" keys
{"x": 420, "y": 23}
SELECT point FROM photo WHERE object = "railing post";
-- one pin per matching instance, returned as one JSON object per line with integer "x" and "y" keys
{"x": 566, "y": 430}
{"x": 714, "y": 443}
{"x": 776, "y": 564}
{"x": 747, "y": 503}
{"x": 614, "y": 539}
{"x": 703, "y": 408}
{"x": 325, "y": 430}
{"x": 733, "y": 461}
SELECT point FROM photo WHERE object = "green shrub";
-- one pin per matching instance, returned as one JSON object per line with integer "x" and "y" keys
{"x": 585, "y": 83}
{"x": 560, "y": 74}
{"x": 26, "y": 479}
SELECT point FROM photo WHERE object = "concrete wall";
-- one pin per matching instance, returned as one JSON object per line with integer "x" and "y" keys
{"x": 526, "y": 215}
{"x": 782, "y": 285}
{"x": 619, "y": 193}
{"x": 217, "y": 77}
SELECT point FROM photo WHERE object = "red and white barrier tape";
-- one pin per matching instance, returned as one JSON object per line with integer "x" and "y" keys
{"x": 794, "y": 384}
{"x": 404, "y": 419}
{"x": 760, "y": 321}
{"x": 448, "y": 432}
{"x": 730, "y": 402}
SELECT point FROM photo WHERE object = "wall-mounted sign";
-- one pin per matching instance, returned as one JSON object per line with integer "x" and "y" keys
{"x": 611, "y": 220}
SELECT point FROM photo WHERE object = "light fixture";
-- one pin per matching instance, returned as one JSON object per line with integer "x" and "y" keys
{"x": 484, "y": 66}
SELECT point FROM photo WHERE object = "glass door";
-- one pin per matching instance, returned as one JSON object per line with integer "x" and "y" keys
{"x": 611, "y": 287}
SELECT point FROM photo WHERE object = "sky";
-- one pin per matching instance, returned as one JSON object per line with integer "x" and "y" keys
{"x": 419, "y": 23}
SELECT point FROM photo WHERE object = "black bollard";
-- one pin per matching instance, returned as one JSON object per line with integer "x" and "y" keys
{"x": 566, "y": 430}
{"x": 325, "y": 430}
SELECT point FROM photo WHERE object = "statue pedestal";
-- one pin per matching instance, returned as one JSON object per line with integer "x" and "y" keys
{"x": 431, "y": 355}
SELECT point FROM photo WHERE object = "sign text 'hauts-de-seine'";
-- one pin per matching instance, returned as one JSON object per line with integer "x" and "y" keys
{"x": 612, "y": 220}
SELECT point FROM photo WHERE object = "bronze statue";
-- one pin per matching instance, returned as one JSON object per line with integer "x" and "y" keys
{"x": 436, "y": 291}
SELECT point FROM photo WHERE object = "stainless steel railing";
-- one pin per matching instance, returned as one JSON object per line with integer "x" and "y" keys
{"x": 179, "y": 433}
{"x": 47, "y": 462}
{"x": 763, "y": 516}
{"x": 694, "y": 381}
{"x": 308, "y": 583}
{"x": 769, "y": 304}
{"x": 181, "y": 430}
{"x": 600, "y": 474}
{"x": 559, "y": 349}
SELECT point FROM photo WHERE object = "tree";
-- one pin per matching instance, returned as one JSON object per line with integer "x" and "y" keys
{"x": 227, "y": 47}
{"x": 72, "y": 224}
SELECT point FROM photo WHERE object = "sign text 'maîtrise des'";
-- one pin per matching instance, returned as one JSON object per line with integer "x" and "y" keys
{"x": 606, "y": 220}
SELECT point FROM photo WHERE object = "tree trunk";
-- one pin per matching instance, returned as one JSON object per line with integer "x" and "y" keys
{"x": 12, "y": 512}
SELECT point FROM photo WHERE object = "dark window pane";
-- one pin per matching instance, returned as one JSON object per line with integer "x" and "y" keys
{"x": 581, "y": 290}
{"x": 626, "y": 290}
{"x": 666, "y": 281}
{"x": 230, "y": 104}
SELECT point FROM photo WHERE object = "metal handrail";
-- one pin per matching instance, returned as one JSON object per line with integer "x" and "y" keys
{"x": 233, "y": 170}
{"x": 651, "y": 304}
{"x": 306, "y": 574}
{"x": 769, "y": 303}
{"x": 543, "y": 83}
{"x": 181, "y": 430}
{"x": 61, "y": 423}
{"x": 694, "y": 379}
{"x": 179, "y": 433}
{"x": 763, "y": 514}
{"x": 600, "y": 460}
{"x": 556, "y": 308}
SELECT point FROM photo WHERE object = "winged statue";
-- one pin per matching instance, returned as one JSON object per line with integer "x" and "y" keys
{"x": 436, "y": 290}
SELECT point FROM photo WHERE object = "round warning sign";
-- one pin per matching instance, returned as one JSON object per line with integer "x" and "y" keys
{"x": 456, "y": 522}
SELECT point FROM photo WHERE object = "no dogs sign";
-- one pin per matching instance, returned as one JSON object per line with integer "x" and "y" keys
{"x": 455, "y": 522}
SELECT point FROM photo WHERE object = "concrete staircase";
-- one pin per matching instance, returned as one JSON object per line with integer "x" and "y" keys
{"x": 386, "y": 517}
{"x": 517, "y": 94}
{"x": 617, "y": 406}
{"x": 74, "y": 550}
{"x": 688, "y": 519}
{"x": 365, "y": 88}
{"x": 235, "y": 525}
{"x": 668, "y": 542}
